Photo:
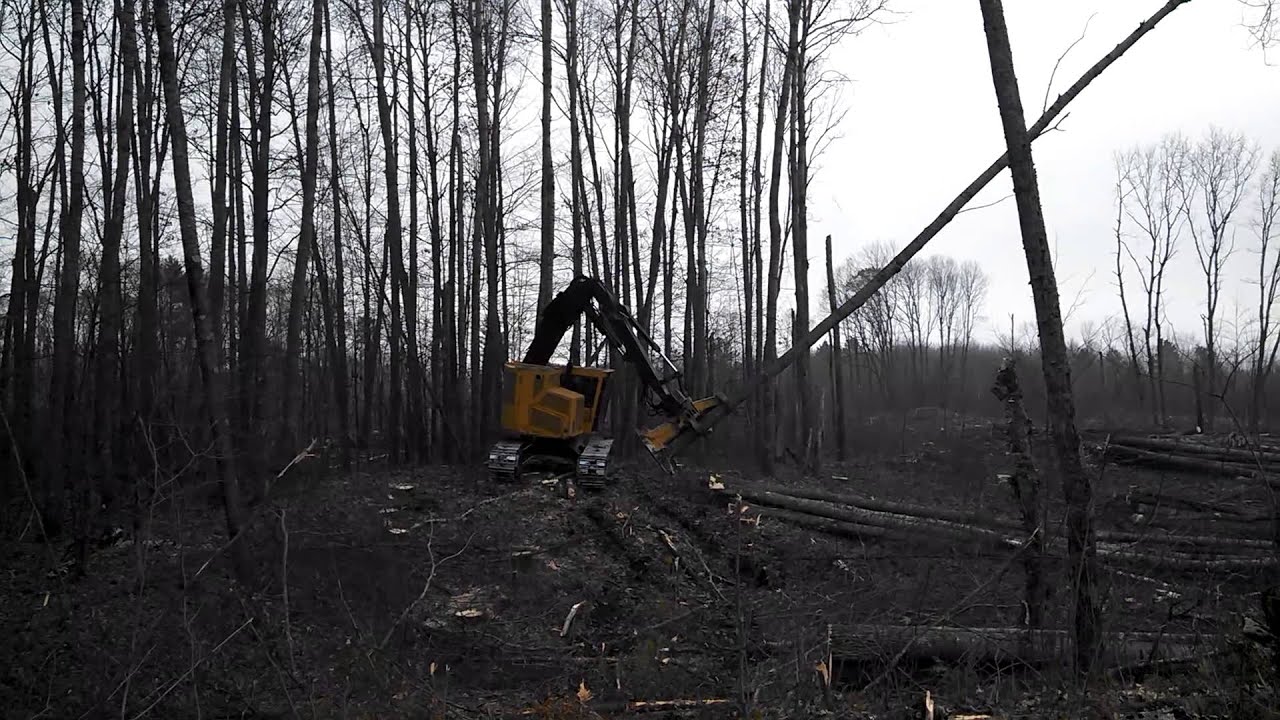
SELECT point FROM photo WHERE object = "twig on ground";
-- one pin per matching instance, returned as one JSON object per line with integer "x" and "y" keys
{"x": 426, "y": 587}
{"x": 192, "y": 669}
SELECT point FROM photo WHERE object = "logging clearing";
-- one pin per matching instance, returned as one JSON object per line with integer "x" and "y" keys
{"x": 270, "y": 268}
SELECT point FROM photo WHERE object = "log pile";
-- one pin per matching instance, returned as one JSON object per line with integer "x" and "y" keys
{"x": 1195, "y": 454}
{"x": 864, "y": 518}
{"x": 1003, "y": 645}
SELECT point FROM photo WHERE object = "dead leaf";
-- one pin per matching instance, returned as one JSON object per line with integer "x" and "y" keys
{"x": 823, "y": 672}
{"x": 433, "y": 670}
{"x": 583, "y": 693}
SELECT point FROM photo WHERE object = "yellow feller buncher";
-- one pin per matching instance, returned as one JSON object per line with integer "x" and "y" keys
{"x": 551, "y": 413}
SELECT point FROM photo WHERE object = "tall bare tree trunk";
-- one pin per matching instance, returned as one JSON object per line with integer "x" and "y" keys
{"x": 698, "y": 269}
{"x": 340, "y": 373}
{"x": 800, "y": 240}
{"x": 61, "y": 408}
{"x": 108, "y": 397}
{"x": 253, "y": 377}
{"x": 221, "y": 238}
{"x": 410, "y": 285}
{"x": 743, "y": 204}
{"x": 762, "y": 428}
{"x": 306, "y": 236}
{"x": 768, "y": 408}
{"x": 548, "y": 250}
{"x": 577, "y": 197}
{"x": 213, "y": 395}
{"x": 839, "y": 416}
{"x": 1077, "y": 488}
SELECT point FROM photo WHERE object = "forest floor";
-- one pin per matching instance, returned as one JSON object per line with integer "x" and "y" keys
{"x": 432, "y": 592}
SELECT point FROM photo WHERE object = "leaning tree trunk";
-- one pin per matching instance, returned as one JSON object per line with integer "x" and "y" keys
{"x": 1053, "y": 347}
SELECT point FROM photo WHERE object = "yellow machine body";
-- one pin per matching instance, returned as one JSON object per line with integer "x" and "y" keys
{"x": 545, "y": 401}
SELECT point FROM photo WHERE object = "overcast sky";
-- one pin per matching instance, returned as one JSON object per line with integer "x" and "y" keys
{"x": 923, "y": 122}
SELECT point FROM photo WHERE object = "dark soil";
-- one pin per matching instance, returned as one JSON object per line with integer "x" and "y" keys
{"x": 431, "y": 592}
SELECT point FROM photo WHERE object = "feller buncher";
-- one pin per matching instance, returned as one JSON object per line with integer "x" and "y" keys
{"x": 551, "y": 414}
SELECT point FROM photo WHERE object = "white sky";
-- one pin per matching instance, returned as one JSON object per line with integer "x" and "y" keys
{"x": 923, "y": 122}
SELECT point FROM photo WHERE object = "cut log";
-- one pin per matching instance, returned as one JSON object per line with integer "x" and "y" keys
{"x": 833, "y": 527}
{"x": 1173, "y": 501}
{"x": 1178, "y": 462}
{"x": 1247, "y": 457}
{"x": 1199, "y": 541}
{"x": 896, "y": 508}
{"x": 866, "y": 642}
{"x": 850, "y": 520}
{"x": 936, "y": 528}
{"x": 1183, "y": 561}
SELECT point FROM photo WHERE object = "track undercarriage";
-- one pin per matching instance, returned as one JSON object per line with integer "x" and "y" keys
{"x": 586, "y": 458}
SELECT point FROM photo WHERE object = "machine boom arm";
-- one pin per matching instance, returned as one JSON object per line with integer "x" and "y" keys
{"x": 615, "y": 322}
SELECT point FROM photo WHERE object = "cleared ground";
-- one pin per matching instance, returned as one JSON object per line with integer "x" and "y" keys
{"x": 434, "y": 593}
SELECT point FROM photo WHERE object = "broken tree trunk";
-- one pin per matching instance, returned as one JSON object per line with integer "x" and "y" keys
{"x": 1025, "y": 482}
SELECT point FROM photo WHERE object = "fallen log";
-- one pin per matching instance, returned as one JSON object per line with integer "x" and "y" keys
{"x": 896, "y": 508}
{"x": 1183, "y": 561}
{"x": 847, "y": 521}
{"x": 936, "y": 528}
{"x": 1176, "y": 462}
{"x": 1173, "y": 501}
{"x": 833, "y": 527}
{"x": 1201, "y": 541}
{"x": 868, "y": 642}
{"x": 1248, "y": 457}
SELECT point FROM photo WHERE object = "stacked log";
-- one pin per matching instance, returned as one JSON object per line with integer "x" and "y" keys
{"x": 1003, "y": 645}
{"x": 1196, "y": 456}
{"x": 855, "y": 516}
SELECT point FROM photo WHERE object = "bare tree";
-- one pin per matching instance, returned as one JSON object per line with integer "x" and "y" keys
{"x": 1150, "y": 196}
{"x": 1219, "y": 169}
{"x": 1265, "y": 225}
